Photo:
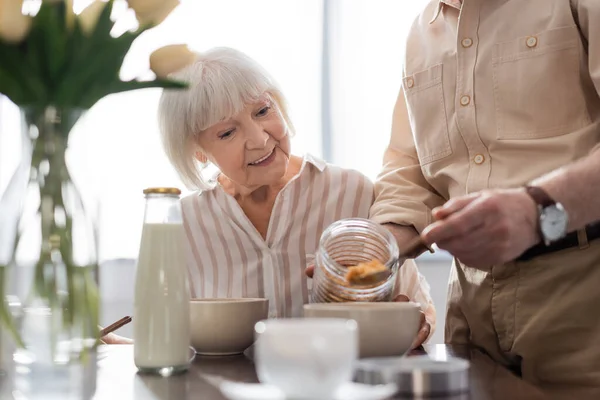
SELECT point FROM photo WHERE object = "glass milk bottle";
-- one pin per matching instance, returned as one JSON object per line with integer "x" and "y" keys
{"x": 161, "y": 319}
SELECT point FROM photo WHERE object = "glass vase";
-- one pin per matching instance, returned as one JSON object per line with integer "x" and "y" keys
{"x": 48, "y": 260}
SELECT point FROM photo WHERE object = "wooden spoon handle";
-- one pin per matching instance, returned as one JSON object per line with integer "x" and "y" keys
{"x": 413, "y": 247}
{"x": 113, "y": 327}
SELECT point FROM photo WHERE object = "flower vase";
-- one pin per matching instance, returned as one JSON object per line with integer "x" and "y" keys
{"x": 48, "y": 260}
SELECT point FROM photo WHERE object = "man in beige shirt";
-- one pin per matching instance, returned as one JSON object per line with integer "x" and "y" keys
{"x": 495, "y": 157}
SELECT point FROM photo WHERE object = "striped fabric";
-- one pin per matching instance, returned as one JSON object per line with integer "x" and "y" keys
{"x": 227, "y": 257}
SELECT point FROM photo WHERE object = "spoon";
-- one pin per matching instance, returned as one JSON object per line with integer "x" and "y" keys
{"x": 378, "y": 275}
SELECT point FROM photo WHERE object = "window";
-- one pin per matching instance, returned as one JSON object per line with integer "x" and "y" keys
{"x": 338, "y": 62}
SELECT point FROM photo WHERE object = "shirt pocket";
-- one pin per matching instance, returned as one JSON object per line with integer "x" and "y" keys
{"x": 427, "y": 112}
{"x": 537, "y": 85}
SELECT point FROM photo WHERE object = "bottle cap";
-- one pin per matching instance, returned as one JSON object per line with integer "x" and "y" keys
{"x": 162, "y": 190}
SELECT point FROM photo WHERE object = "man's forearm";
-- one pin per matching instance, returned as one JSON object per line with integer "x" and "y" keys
{"x": 577, "y": 188}
{"x": 403, "y": 235}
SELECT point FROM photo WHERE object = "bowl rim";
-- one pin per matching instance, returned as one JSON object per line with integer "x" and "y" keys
{"x": 233, "y": 300}
{"x": 302, "y": 325}
{"x": 362, "y": 306}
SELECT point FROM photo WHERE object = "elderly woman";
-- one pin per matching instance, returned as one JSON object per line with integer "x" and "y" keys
{"x": 252, "y": 228}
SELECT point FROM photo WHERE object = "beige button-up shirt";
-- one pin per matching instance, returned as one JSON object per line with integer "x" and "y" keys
{"x": 504, "y": 94}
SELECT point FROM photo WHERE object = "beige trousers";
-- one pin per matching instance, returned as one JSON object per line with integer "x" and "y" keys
{"x": 540, "y": 317}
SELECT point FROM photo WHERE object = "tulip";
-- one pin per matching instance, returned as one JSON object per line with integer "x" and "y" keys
{"x": 152, "y": 12}
{"x": 89, "y": 16}
{"x": 169, "y": 59}
{"x": 14, "y": 26}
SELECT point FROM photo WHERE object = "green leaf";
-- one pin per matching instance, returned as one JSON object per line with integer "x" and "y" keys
{"x": 104, "y": 24}
{"x": 103, "y": 58}
{"x": 101, "y": 71}
{"x": 125, "y": 86}
{"x": 92, "y": 299}
{"x": 10, "y": 87}
{"x": 158, "y": 83}
{"x": 56, "y": 40}
{"x": 81, "y": 45}
{"x": 6, "y": 320}
{"x": 13, "y": 61}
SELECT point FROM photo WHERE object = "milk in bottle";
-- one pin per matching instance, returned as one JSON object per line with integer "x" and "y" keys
{"x": 161, "y": 317}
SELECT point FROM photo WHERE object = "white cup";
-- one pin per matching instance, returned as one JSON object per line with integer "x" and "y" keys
{"x": 306, "y": 358}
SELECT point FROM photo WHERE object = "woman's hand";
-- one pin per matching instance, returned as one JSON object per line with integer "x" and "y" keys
{"x": 425, "y": 327}
{"x": 112, "y": 338}
{"x": 310, "y": 270}
{"x": 310, "y": 265}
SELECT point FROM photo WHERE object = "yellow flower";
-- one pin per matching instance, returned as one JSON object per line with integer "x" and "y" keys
{"x": 152, "y": 12}
{"x": 169, "y": 59}
{"x": 14, "y": 26}
{"x": 89, "y": 16}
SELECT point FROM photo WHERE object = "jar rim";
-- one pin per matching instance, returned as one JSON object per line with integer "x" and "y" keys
{"x": 340, "y": 270}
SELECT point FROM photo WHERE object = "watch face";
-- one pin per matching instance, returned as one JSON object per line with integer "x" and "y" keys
{"x": 553, "y": 222}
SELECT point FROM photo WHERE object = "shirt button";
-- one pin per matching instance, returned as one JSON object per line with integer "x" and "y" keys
{"x": 467, "y": 42}
{"x": 410, "y": 82}
{"x": 479, "y": 159}
{"x": 465, "y": 100}
{"x": 531, "y": 41}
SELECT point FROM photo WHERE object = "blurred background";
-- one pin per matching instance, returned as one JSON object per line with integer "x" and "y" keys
{"x": 337, "y": 61}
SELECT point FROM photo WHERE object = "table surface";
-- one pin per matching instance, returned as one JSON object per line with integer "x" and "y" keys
{"x": 118, "y": 378}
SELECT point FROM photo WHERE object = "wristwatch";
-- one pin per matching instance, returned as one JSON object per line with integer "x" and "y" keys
{"x": 552, "y": 216}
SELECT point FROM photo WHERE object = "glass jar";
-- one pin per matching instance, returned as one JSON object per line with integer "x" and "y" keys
{"x": 346, "y": 243}
{"x": 161, "y": 322}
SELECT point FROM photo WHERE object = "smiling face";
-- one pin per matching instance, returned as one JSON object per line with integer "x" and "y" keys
{"x": 252, "y": 148}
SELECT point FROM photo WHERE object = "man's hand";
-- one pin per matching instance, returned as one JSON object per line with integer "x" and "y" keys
{"x": 485, "y": 228}
{"x": 424, "y": 327}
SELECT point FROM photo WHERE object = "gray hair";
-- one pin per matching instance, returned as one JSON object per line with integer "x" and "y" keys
{"x": 222, "y": 82}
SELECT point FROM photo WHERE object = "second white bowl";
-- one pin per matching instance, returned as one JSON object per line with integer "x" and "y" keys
{"x": 384, "y": 329}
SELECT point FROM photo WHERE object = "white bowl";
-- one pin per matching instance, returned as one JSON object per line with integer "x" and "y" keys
{"x": 225, "y": 326}
{"x": 306, "y": 358}
{"x": 384, "y": 329}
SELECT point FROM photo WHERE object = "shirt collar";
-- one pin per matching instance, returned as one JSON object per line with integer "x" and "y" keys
{"x": 319, "y": 163}
{"x": 451, "y": 3}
